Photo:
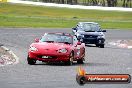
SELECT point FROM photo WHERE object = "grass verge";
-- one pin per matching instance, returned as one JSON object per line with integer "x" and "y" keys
{"x": 18, "y": 15}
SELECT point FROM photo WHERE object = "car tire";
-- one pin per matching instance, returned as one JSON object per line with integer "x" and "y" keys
{"x": 97, "y": 45}
{"x": 70, "y": 61}
{"x": 102, "y": 46}
{"x": 31, "y": 61}
{"x": 80, "y": 61}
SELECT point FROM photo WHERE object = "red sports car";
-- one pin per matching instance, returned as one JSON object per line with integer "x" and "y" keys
{"x": 56, "y": 47}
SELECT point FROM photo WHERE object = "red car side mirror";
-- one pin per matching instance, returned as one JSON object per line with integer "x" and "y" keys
{"x": 36, "y": 40}
{"x": 79, "y": 43}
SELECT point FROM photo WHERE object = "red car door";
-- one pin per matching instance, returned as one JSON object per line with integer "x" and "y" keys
{"x": 78, "y": 48}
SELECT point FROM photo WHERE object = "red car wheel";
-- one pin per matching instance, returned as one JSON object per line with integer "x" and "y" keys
{"x": 80, "y": 61}
{"x": 71, "y": 57}
{"x": 31, "y": 61}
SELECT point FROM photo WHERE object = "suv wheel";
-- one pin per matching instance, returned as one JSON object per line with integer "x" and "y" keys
{"x": 102, "y": 46}
{"x": 97, "y": 45}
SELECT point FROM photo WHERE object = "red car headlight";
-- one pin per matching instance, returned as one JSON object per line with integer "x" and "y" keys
{"x": 62, "y": 50}
{"x": 32, "y": 48}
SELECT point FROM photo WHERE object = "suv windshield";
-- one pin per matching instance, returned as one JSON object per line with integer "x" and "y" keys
{"x": 56, "y": 38}
{"x": 89, "y": 27}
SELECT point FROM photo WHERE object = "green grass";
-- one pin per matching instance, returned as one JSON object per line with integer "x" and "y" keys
{"x": 18, "y": 15}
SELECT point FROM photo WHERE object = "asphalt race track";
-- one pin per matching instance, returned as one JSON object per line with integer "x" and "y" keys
{"x": 98, "y": 60}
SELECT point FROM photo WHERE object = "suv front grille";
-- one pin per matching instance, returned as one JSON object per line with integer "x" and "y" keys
{"x": 90, "y": 36}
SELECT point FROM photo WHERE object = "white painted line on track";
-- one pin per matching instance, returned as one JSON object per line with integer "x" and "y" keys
{"x": 120, "y": 44}
{"x": 16, "y": 58}
{"x": 129, "y": 47}
{"x": 129, "y": 68}
{"x": 11, "y": 52}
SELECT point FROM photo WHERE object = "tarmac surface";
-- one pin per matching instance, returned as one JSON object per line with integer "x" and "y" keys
{"x": 111, "y": 59}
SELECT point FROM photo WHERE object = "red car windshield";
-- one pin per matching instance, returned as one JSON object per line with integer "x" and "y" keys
{"x": 57, "y": 38}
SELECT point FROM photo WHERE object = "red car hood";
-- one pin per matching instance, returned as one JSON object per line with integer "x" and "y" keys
{"x": 50, "y": 46}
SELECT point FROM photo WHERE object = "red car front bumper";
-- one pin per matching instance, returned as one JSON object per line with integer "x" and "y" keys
{"x": 53, "y": 57}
